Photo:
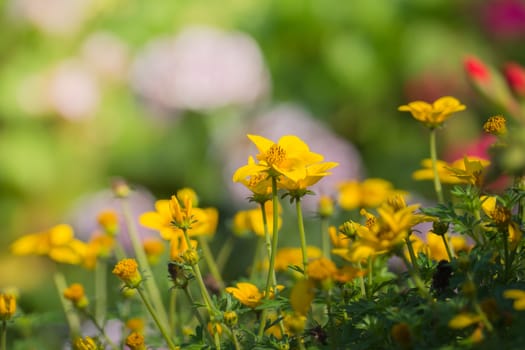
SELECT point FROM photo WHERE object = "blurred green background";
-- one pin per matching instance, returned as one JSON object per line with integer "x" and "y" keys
{"x": 163, "y": 92}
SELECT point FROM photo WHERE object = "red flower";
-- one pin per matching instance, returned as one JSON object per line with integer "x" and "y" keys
{"x": 476, "y": 69}
{"x": 515, "y": 75}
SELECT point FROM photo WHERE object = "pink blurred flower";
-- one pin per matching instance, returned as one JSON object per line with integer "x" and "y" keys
{"x": 288, "y": 119}
{"x": 107, "y": 55}
{"x": 505, "y": 19}
{"x": 56, "y": 17}
{"x": 476, "y": 70}
{"x": 199, "y": 69}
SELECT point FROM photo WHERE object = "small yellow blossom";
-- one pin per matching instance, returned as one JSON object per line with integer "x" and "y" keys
{"x": 464, "y": 320}
{"x": 248, "y": 294}
{"x": 339, "y": 240}
{"x": 230, "y": 318}
{"x": 289, "y": 256}
{"x": 369, "y": 193}
{"x": 153, "y": 249}
{"x": 108, "y": 220}
{"x": 321, "y": 269}
{"x": 198, "y": 221}
{"x": 7, "y": 306}
{"x": 347, "y": 274}
{"x": 314, "y": 173}
{"x": 127, "y": 271}
{"x": 433, "y": 115}
{"x": 496, "y": 125}
{"x": 135, "y": 341}
{"x": 214, "y": 327}
{"x": 178, "y": 246}
{"x": 448, "y": 173}
{"x": 434, "y": 247}
{"x": 259, "y": 182}
{"x": 501, "y": 217}
{"x": 326, "y": 206}
{"x": 86, "y": 343}
{"x": 58, "y": 243}
{"x": 100, "y": 246}
{"x": 294, "y": 323}
{"x": 75, "y": 294}
{"x": 518, "y": 296}
{"x": 135, "y": 324}
{"x": 472, "y": 171}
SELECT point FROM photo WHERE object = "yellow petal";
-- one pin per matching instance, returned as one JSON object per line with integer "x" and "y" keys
{"x": 61, "y": 234}
{"x": 463, "y": 320}
{"x": 301, "y": 296}
{"x": 514, "y": 294}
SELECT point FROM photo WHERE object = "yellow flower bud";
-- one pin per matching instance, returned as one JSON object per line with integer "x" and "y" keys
{"x": 135, "y": 341}
{"x": 75, "y": 294}
{"x": 108, "y": 220}
{"x": 7, "y": 306}
{"x": 191, "y": 257}
{"x": 127, "y": 271}
{"x": 230, "y": 318}
{"x": 326, "y": 206}
{"x": 496, "y": 125}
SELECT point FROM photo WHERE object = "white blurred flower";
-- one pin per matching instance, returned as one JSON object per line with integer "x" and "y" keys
{"x": 288, "y": 119}
{"x": 199, "y": 69}
{"x": 107, "y": 55}
{"x": 56, "y": 17}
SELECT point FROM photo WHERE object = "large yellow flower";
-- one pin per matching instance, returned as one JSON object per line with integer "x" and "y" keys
{"x": 289, "y": 157}
{"x": 314, "y": 173}
{"x": 58, "y": 243}
{"x": 502, "y": 218}
{"x": 433, "y": 115}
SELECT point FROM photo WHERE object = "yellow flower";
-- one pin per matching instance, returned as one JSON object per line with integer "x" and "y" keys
{"x": 294, "y": 323}
{"x": 471, "y": 171}
{"x": 135, "y": 341}
{"x": 98, "y": 246}
{"x": 153, "y": 249}
{"x": 326, "y": 206}
{"x": 384, "y": 233}
{"x": 199, "y": 221}
{"x": 135, "y": 324}
{"x": 288, "y": 157}
{"x": 127, "y": 271}
{"x": 302, "y": 295}
{"x": 86, "y": 343}
{"x": 369, "y": 193}
{"x": 58, "y": 243}
{"x": 294, "y": 257}
{"x": 108, "y": 220}
{"x": 252, "y": 221}
{"x": 7, "y": 306}
{"x": 75, "y": 294}
{"x": 348, "y": 273}
{"x": 248, "y": 294}
{"x": 433, "y": 115}
{"x": 463, "y": 320}
{"x": 258, "y": 182}
{"x": 453, "y": 173}
{"x": 339, "y": 240}
{"x": 501, "y": 217}
{"x": 496, "y": 125}
{"x": 434, "y": 247}
{"x": 314, "y": 173}
{"x": 518, "y": 296}
{"x": 321, "y": 269}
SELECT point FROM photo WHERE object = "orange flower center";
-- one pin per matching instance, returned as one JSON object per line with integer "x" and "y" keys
{"x": 275, "y": 154}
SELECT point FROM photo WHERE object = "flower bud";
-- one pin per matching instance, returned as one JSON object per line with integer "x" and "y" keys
{"x": 326, "y": 206}
{"x": 230, "y": 318}
{"x": 515, "y": 75}
{"x": 191, "y": 257}
{"x": 476, "y": 70}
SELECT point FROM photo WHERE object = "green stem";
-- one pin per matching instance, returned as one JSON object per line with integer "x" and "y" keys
{"x": 362, "y": 281}
{"x": 236, "y": 344}
{"x": 411, "y": 253}
{"x": 172, "y": 315}
{"x": 3, "y": 336}
{"x": 100, "y": 290}
{"x": 210, "y": 261}
{"x": 447, "y": 246}
{"x": 416, "y": 278}
{"x": 268, "y": 239}
{"x": 153, "y": 314}
{"x": 217, "y": 339}
{"x": 100, "y": 329}
{"x": 149, "y": 282}
{"x": 302, "y": 235}
{"x": 72, "y": 318}
{"x": 270, "y": 279}
{"x": 506, "y": 256}
{"x": 433, "y": 157}
{"x": 200, "y": 281}
{"x": 224, "y": 253}
{"x": 194, "y": 308}
{"x": 256, "y": 258}
{"x": 325, "y": 238}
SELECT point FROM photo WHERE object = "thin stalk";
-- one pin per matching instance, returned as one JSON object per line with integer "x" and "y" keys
{"x": 224, "y": 253}
{"x": 506, "y": 256}
{"x": 217, "y": 340}
{"x": 268, "y": 239}
{"x": 447, "y": 246}
{"x": 325, "y": 239}
{"x": 256, "y": 258}
{"x": 270, "y": 279}
{"x": 302, "y": 235}
{"x": 172, "y": 315}
{"x": 149, "y": 282}
{"x": 100, "y": 290}
{"x": 100, "y": 329}
{"x": 194, "y": 307}
{"x": 362, "y": 281}
{"x": 3, "y": 336}
{"x": 200, "y": 281}
{"x": 236, "y": 344}
{"x": 416, "y": 278}
{"x": 433, "y": 157}
{"x": 155, "y": 317}
{"x": 71, "y": 317}
{"x": 210, "y": 261}
{"x": 412, "y": 254}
